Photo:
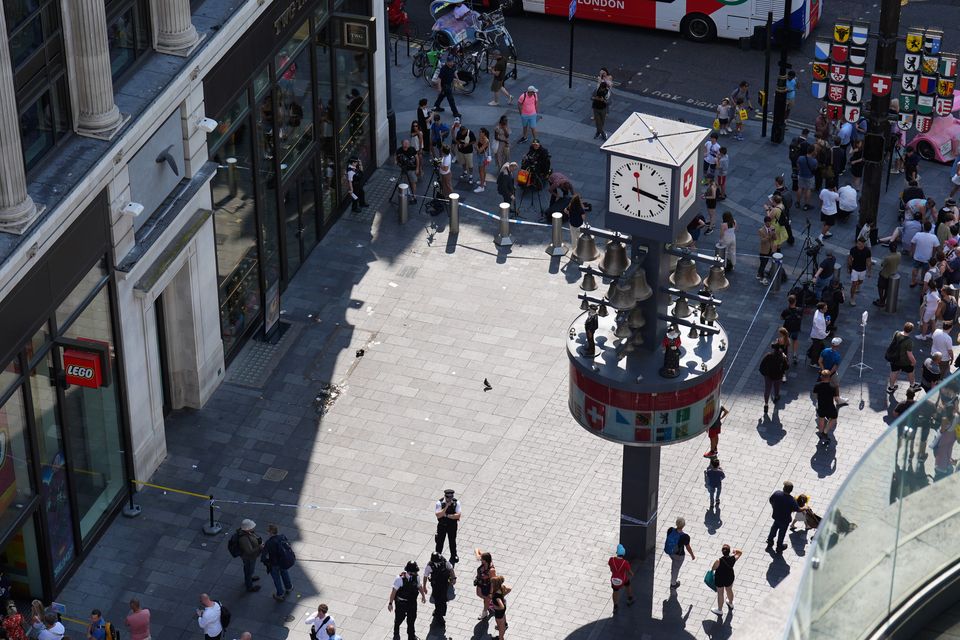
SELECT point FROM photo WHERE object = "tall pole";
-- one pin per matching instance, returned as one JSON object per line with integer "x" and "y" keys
{"x": 779, "y": 129}
{"x": 766, "y": 74}
{"x": 878, "y": 127}
{"x": 570, "y": 69}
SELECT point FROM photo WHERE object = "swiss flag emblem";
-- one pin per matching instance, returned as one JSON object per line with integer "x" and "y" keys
{"x": 880, "y": 84}
{"x": 595, "y": 412}
{"x": 688, "y": 181}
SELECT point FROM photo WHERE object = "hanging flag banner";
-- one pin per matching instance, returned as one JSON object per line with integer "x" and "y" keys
{"x": 836, "y": 92}
{"x": 820, "y": 71}
{"x": 932, "y": 40}
{"x": 859, "y": 32}
{"x": 911, "y": 62}
{"x": 923, "y": 123}
{"x": 841, "y": 32}
{"x": 945, "y": 87}
{"x": 943, "y": 106}
{"x": 908, "y": 102}
{"x": 839, "y": 52}
{"x": 838, "y": 72}
{"x": 855, "y": 75}
{"x": 908, "y": 82}
{"x": 880, "y": 85}
{"x": 821, "y": 49}
{"x": 858, "y": 55}
{"x": 854, "y": 94}
{"x": 930, "y": 64}
{"x": 914, "y": 41}
{"x": 851, "y": 113}
{"x": 905, "y": 121}
{"x": 834, "y": 110}
{"x": 948, "y": 65}
{"x": 928, "y": 85}
{"x": 819, "y": 89}
{"x": 925, "y": 105}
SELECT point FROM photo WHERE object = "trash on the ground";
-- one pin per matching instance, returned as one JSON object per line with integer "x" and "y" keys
{"x": 327, "y": 395}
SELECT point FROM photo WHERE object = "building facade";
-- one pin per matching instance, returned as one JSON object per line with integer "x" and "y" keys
{"x": 165, "y": 168}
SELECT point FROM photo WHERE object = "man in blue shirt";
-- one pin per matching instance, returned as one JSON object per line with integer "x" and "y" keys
{"x": 791, "y": 90}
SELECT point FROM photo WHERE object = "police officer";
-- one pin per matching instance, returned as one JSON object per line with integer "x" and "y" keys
{"x": 447, "y": 511}
{"x": 439, "y": 573}
{"x": 404, "y": 592}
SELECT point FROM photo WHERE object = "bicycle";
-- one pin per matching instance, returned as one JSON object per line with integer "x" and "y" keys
{"x": 466, "y": 67}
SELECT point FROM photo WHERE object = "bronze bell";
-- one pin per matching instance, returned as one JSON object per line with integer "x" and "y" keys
{"x": 586, "y": 250}
{"x": 589, "y": 283}
{"x": 622, "y": 330}
{"x": 710, "y": 314}
{"x": 621, "y": 296}
{"x": 684, "y": 239}
{"x": 641, "y": 290}
{"x": 681, "y": 309}
{"x": 584, "y": 305}
{"x": 614, "y": 261}
{"x": 685, "y": 276}
{"x": 602, "y": 312}
{"x": 717, "y": 279}
{"x": 636, "y": 319}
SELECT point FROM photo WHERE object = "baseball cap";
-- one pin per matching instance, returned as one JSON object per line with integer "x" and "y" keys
{"x": 836, "y": 342}
{"x": 621, "y": 551}
{"x": 532, "y": 88}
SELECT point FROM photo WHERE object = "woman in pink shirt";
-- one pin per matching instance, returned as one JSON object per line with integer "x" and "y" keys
{"x": 529, "y": 106}
{"x": 138, "y": 621}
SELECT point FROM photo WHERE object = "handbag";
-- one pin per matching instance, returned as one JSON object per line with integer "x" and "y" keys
{"x": 744, "y": 115}
{"x": 716, "y": 124}
{"x": 710, "y": 580}
{"x": 523, "y": 177}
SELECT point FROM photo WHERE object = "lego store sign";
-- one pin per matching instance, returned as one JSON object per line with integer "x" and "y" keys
{"x": 83, "y": 368}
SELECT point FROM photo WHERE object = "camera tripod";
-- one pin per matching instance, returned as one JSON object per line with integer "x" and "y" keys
{"x": 434, "y": 182}
{"x": 810, "y": 251}
{"x": 396, "y": 185}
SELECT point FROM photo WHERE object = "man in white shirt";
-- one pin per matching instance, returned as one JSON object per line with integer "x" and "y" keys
{"x": 922, "y": 247}
{"x": 320, "y": 621}
{"x": 847, "y": 203}
{"x": 208, "y": 617}
{"x": 943, "y": 343}
{"x": 818, "y": 333}
{"x": 447, "y": 511}
{"x": 53, "y": 628}
{"x": 711, "y": 150}
{"x": 829, "y": 199}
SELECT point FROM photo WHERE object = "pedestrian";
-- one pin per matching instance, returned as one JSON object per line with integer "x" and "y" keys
{"x": 36, "y": 618}
{"x": 847, "y": 203}
{"x": 694, "y": 228}
{"x": 922, "y": 247}
{"x": 599, "y": 104}
{"x": 723, "y": 576}
{"x": 557, "y": 184}
{"x": 438, "y": 133}
{"x": 445, "y": 169}
{"x": 818, "y": 333}
{"x": 723, "y": 167}
{"x": 806, "y": 170}
{"x": 620, "y": 574}
{"x": 447, "y": 510}
{"x": 933, "y": 279}
{"x": 424, "y": 119}
{"x": 830, "y": 359}
{"x": 320, "y": 621}
{"x": 439, "y": 573}
{"x": 677, "y": 541}
{"x": 792, "y": 318}
{"x": 97, "y": 628}
{"x": 888, "y": 267}
{"x": 331, "y": 631}
{"x": 501, "y": 138}
{"x": 797, "y": 149}
{"x": 13, "y": 623}
{"x": 355, "y": 184}
{"x": 860, "y": 264}
{"x": 728, "y": 240}
{"x": 498, "y": 601}
{"x": 446, "y": 76}
{"x": 911, "y": 165}
{"x": 416, "y": 139}
{"x": 827, "y": 396}
{"x": 931, "y": 372}
{"x": 773, "y": 367}
{"x": 943, "y": 443}
{"x": 485, "y": 157}
{"x": 829, "y": 198}
{"x": 710, "y": 199}
{"x": 713, "y": 477}
{"x": 528, "y": 105}
{"x": 768, "y": 239}
{"x": 942, "y": 341}
{"x": 784, "y": 505}
{"x": 899, "y": 354}
{"x": 724, "y": 116}
{"x": 499, "y": 73}
{"x": 408, "y": 161}
{"x": 713, "y": 433}
{"x": 53, "y": 628}
{"x": 278, "y": 557}
{"x": 824, "y": 274}
{"x": 576, "y": 215}
{"x": 406, "y": 587}
{"x": 834, "y": 296}
{"x": 930, "y": 310}
{"x": 208, "y": 617}
{"x": 138, "y": 621}
{"x": 824, "y": 166}
{"x": 711, "y": 151}
{"x": 465, "y": 139}
{"x": 246, "y": 635}
{"x": 775, "y": 208}
{"x": 838, "y": 160}
{"x": 506, "y": 185}
{"x": 955, "y": 178}
{"x": 791, "y": 85}
{"x": 485, "y": 572}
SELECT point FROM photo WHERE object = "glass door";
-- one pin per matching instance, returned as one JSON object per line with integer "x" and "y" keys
{"x": 309, "y": 200}
{"x": 292, "y": 228}
{"x": 300, "y": 219}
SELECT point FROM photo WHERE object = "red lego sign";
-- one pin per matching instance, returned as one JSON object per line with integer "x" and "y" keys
{"x": 83, "y": 368}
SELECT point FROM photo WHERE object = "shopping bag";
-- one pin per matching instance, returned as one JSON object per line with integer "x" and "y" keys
{"x": 709, "y": 580}
{"x": 716, "y": 124}
{"x": 523, "y": 177}
{"x": 744, "y": 115}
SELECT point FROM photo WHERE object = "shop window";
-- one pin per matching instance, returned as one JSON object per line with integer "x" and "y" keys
{"x": 92, "y": 420}
{"x": 228, "y": 119}
{"x": 128, "y": 33}
{"x": 353, "y": 106}
{"x": 19, "y": 562}
{"x": 54, "y": 491}
{"x": 44, "y": 121}
{"x": 292, "y": 47}
{"x": 294, "y": 121}
{"x": 324, "y": 88}
{"x": 9, "y": 375}
{"x": 238, "y": 266}
{"x": 321, "y": 15}
{"x": 15, "y": 485}
{"x": 267, "y": 188}
{"x": 72, "y": 303}
{"x": 261, "y": 83}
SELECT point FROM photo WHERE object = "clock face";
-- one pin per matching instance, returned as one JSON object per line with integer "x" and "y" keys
{"x": 640, "y": 190}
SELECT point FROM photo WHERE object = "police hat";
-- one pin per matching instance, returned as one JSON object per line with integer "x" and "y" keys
{"x": 412, "y": 567}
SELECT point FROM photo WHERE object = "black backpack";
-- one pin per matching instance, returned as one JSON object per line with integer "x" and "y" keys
{"x": 233, "y": 544}
{"x": 439, "y": 576}
{"x": 797, "y": 149}
{"x": 285, "y": 555}
{"x": 224, "y": 615}
{"x": 892, "y": 354}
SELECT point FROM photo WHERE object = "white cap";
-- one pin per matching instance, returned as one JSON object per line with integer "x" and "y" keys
{"x": 836, "y": 342}
{"x": 532, "y": 88}
{"x": 248, "y": 525}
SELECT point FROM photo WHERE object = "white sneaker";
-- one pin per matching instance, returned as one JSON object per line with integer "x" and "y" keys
{"x": 493, "y": 104}
{"x": 479, "y": 189}
{"x": 730, "y": 605}
{"x": 716, "y": 611}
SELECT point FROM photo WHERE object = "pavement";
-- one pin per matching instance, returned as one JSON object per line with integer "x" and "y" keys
{"x": 348, "y": 429}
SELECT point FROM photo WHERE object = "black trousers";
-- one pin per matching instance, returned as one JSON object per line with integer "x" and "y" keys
{"x": 778, "y": 529}
{"x": 883, "y": 284}
{"x": 447, "y": 528}
{"x": 439, "y": 600}
{"x": 446, "y": 91}
{"x": 405, "y": 609}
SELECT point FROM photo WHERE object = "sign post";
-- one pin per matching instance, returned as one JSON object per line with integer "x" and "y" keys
{"x": 570, "y": 13}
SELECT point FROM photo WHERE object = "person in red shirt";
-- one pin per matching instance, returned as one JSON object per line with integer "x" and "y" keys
{"x": 620, "y": 574}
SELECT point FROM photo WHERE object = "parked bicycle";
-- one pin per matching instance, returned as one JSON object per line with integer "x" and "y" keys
{"x": 427, "y": 63}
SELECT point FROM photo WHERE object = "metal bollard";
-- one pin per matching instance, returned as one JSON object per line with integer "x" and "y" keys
{"x": 214, "y": 527}
{"x": 893, "y": 294}
{"x": 722, "y": 253}
{"x": 779, "y": 275}
{"x": 503, "y": 238}
{"x": 557, "y": 248}
{"x": 232, "y": 176}
{"x": 454, "y": 213}
{"x": 404, "y": 190}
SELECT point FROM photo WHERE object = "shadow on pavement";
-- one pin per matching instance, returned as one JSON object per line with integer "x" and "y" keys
{"x": 778, "y": 569}
{"x": 771, "y": 429}
{"x": 712, "y": 521}
{"x": 824, "y": 460}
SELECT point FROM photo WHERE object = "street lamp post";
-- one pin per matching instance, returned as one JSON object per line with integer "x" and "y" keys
{"x": 878, "y": 127}
{"x": 779, "y": 129}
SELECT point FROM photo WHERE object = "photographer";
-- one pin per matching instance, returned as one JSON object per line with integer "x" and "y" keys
{"x": 408, "y": 160}
{"x": 447, "y": 511}
{"x": 537, "y": 162}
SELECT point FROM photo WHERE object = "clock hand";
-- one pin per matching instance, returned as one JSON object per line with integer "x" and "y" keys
{"x": 641, "y": 192}
{"x": 637, "y": 188}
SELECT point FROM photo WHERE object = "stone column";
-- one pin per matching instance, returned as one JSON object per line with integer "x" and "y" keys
{"x": 88, "y": 55}
{"x": 174, "y": 33}
{"x": 17, "y": 209}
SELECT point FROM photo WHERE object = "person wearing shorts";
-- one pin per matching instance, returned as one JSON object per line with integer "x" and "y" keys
{"x": 860, "y": 264}
{"x": 904, "y": 360}
{"x": 528, "y": 105}
{"x": 829, "y": 198}
{"x": 806, "y": 177}
{"x": 620, "y": 574}
{"x": 714, "y": 432}
{"x": 826, "y": 395}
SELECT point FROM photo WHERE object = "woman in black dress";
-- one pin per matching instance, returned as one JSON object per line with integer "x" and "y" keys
{"x": 498, "y": 601}
{"x": 486, "y": 572}
{"x": 723, "y": 577}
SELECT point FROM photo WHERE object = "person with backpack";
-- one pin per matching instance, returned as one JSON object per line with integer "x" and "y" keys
{"x": 677, "y": 541}
{"x": 440, "y": 574}
{"x": 406, "y": 587}
{"x": 797, "y": 149}
{"x": 320, "y": 622}
{"x": 528, "y": 104}
{"x": 246, "y": 545}
{"x": 620, "y": 574}
{"x": 792, "y": 318}
{"x": 899, "y": 354}
{"x": 786, "y": 202}
{"x": 278, "y": 557}
{"x": 209, "y": 617}
{"x": 784, "y": 505}
{"x": 599, "y": 103}
{"x": 97, "y": 629}
{"x": 53, "y": 629}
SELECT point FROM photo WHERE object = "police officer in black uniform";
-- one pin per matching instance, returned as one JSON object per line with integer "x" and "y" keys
{"x": 447, "y": 511}
{"x": 439, "y": 573}
{"x": 406, "y": 586}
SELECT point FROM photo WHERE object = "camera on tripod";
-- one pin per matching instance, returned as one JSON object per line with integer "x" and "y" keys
{"x": 814, "y": 250}
{"x": 436, "y": 162}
